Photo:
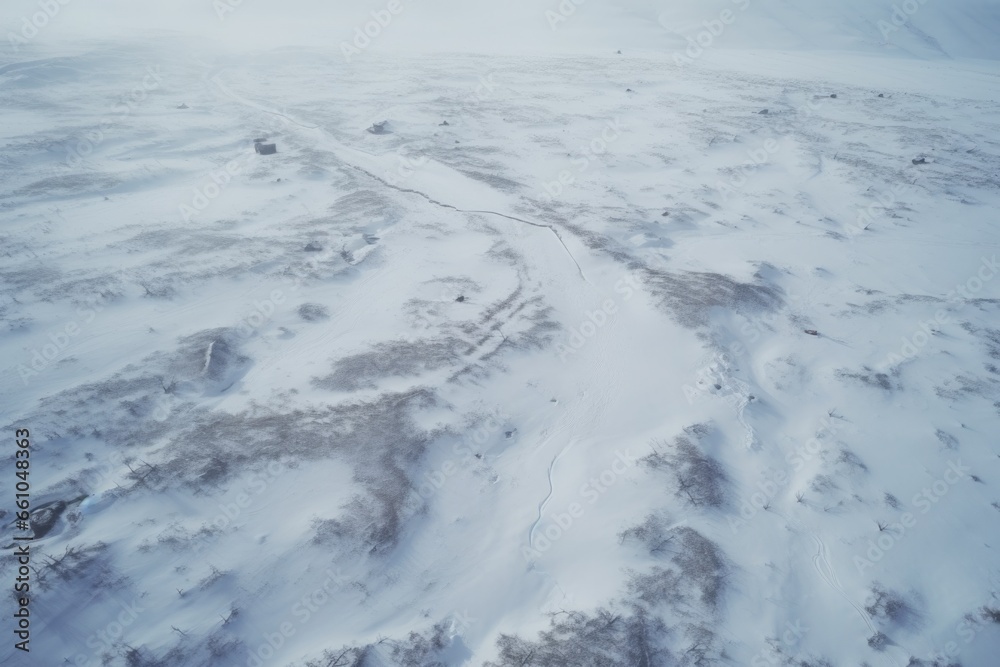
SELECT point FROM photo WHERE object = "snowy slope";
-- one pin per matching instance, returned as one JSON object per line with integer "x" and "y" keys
{"x": 525, "y": 379}
{"x": 921, "y": 28}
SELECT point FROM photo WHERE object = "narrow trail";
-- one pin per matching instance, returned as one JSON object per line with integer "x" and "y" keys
{"x": 213, "y": 78}
{"x": 821, "y": 562}
{"x": 545, "y": 501}
{"x": 480, "y": 212}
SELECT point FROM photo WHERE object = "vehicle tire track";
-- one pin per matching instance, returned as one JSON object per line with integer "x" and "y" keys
{"x": 821, "y": 561}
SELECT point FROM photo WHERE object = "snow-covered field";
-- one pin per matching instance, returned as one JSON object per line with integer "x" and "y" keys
{"x": 525, "y": 377}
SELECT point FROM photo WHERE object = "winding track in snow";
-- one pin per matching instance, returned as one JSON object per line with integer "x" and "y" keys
{"x": 481, "y": 212}
{"x": 821, "y": 561}
{"x": 250, "y": 103}
{"x": 545, "y": 501}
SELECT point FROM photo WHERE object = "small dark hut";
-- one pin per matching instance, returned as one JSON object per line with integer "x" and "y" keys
{"x": 264, "y": 149}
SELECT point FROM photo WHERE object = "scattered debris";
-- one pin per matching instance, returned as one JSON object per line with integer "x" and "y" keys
{"x": 812, "y": 332}
{"x": 920, "y": 160}
{"x": 380, "y": 128}
{"x": 313, "y": 246}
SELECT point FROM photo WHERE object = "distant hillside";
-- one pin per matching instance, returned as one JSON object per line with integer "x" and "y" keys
{"x": 923, "y": 28}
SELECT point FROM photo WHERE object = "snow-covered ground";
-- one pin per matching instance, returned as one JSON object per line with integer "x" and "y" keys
{"x": 523, "y": 378}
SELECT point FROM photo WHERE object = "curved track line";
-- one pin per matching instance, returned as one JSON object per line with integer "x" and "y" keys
{"x": 240, "y": 99}
{"x": 545, "y": 501}
{"x": 481, "y": 212}
{"x": 821, "y": 561}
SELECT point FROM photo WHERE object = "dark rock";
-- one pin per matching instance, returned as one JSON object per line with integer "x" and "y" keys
{"x": 265, "y": 149}
{"x": 313, "y": 312}
{"x": 444, "y": 123}
{"x": 881, "y": 94}
{"x": 920, "y": 160}
{"x": 183, "y": 106}
{"x": 834, "y": 96}
{"x": 460, "y": 299}
{"x": 763, "y": 112}
{"x": 812, "y": 332}
{"x": 380, "y": 128}
{"x": 313, "y": 247}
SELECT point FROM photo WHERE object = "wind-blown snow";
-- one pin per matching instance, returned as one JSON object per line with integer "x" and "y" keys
{"x": 524, "y": 378}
